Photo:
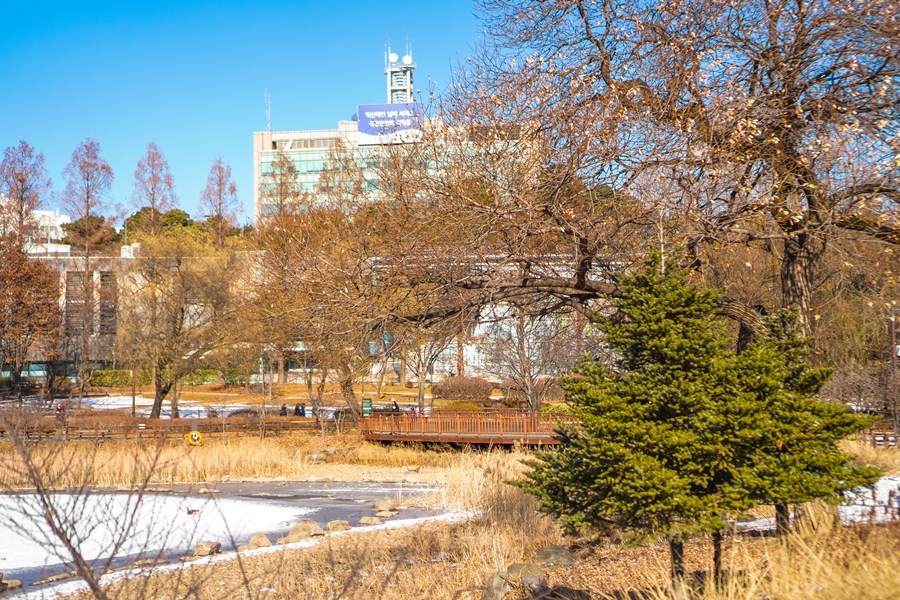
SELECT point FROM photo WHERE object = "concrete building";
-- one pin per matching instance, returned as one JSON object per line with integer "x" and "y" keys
{"x": 398, "y": 121}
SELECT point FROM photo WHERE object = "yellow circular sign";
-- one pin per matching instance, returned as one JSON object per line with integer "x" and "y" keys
{"x": 195, "y": 438}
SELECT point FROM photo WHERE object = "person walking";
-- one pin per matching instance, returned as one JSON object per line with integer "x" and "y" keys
{"x": 283, "y": 411}
{"x": 297, "y": 410}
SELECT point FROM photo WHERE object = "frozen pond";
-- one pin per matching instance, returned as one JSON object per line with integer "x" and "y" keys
{"x": 169, "y": 524}
{"x": 187, "y": 409}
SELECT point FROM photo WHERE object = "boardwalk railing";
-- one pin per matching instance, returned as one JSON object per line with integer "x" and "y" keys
{"x": 464, "y": 428}
{"x": 128, "y": 428}
{"x": 878, "y": 438}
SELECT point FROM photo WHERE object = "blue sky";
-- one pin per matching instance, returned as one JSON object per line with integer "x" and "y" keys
{"x": 191, "y": 75}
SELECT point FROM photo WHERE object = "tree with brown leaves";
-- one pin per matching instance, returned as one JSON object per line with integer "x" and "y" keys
{"x": 219, "y": 202}
{"x": 30, "y": 316}
{"x": 154, "y": 188}
{"x": 25, "y": 184}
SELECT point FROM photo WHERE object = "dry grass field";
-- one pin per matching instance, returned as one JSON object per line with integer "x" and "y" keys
{"x": 823, "y": 560}
{"x": 119, "y": 462}
{"x": 445, "y": 561}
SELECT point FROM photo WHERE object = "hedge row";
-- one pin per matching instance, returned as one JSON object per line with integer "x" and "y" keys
{"x": 463, "y": 388}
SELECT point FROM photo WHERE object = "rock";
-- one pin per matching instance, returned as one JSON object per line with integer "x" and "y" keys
{"x": 533, "y": 584}
{"x": 149, "y": 562}
{"x": 411, "y": 469}
{"x": 332, "y": 526}
{"x": 204, "y": 490}
{"x": 54, "y": 579}
{"x": 386, "y": 505}
{"x": 3, "y": 586}
{"x": 207, "y": 548}
{"x": 369, "y": 521}
{"x": 13, "y": 584}
{"x": 304, "y": 529}
{"x": 554, "y": 557}
{"x": 315, "y": 459}
{"x": 259, "y": 540}
{"x": 386, "y": 513}
{"x": 517, "y": 570}
{"x": 497, "y": 586}
{"x": 561, "y": 592}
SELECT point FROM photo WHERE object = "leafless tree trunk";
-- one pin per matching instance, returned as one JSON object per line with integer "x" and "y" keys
{"x": 88, "y": 181}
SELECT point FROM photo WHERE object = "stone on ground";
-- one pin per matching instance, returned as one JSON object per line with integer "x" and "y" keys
{"x": 517, "y": 570}
{"x": 386, "y": 513}
{"x": 369, "y": 521}
{"x": 554, "y": 557}
{"x": 561, "y": 592}
{"x": 340, "y": 525}
{"x": 533, "y": 584}
{"x": 207, "y": 548}
{"x": 382, "y": 505}
{"x": 304, "y": 529}
{"x": 497, "y": 586}
{"x": 259, "y": 540}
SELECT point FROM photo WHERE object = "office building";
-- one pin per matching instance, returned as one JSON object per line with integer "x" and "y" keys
{"x": 398, "y": 121}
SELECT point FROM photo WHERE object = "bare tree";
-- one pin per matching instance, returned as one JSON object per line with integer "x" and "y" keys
{"x": 527, "y": 352}
{"x": 25, "y": 184}
{"x": 30, "y": 316}
{"x": 422, "y": 345}
{"x": 219, "y": 201}
{"x": 175, "y": 297}
{"x": 154, "y": 188}
{"x": 88, "y": 180}
{"x": 754, "y": 120}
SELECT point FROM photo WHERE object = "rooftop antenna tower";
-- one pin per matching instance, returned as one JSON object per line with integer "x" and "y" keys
{"x": 268, "y": 110}
{"x": 399, "y": 72}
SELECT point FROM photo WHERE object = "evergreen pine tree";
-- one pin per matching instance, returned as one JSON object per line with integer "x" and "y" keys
{"x": 793, "y": 454}
{"x": 678, "y": 431}
{"x": 651, "y": 455}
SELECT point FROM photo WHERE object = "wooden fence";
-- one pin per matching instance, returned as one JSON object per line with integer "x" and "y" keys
{"x": 879, "y": 438}
{"x": 464, "y": 428}
{"x": 134, "y": 428}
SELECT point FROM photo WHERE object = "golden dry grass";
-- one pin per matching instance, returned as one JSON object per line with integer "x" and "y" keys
{"x": 436, "y": 560}
{"x": 109, "y": 463}
{"x": 886, "y": 458}
{"x": 823, "y": 560}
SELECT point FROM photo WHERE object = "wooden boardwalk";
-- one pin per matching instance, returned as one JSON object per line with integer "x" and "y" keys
{"x": 463, "y": 428}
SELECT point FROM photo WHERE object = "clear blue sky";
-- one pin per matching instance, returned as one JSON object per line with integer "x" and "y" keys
{"x": 189, "y": 75}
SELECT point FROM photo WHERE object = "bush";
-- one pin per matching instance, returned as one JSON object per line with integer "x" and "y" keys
{"x": 235, "y": 376}
{"x": 555, "y": 409}
{"x": 118, "y": 378}
{"x": 111, "y": 378}
{"x": 461, "y": 407}
{"x": 200, "y": 377}
{"x": 463, "y": 388}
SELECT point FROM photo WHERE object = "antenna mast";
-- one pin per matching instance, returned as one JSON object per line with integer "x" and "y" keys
{"x": 268, "y": 110}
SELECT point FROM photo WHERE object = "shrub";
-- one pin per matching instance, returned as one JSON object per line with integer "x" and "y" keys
{"x": 111, "y": 378}
{"x": 118, "y": 378}
{"x": 200, "y": 377}
{"x": 235, "y": 376}
{"x": 461, "y": 407}
{"x": 556, "y": 409}
{"x": 463, "y": 388}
